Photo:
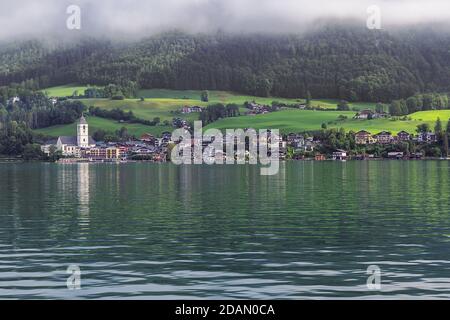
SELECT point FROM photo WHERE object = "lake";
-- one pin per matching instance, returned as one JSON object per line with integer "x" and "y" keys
{"x": 160, "y": 231}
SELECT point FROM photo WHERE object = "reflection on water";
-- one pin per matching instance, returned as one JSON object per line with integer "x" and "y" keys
{"x": 83, "y": 187}
{"x": 162, "y": 231}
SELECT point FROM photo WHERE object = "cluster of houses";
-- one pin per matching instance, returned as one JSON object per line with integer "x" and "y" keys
{"x": 83, "y": 147}
{"x": 370, "y": 114}
{"x": 149, "y": 147}
{"x": 300, "y": 143}
{"x": 194, "y": 109}
{"x": 14, "y": 100}
{"x": 342, "y": 155}
{"x": 256, "y": 108}
{"x": 180, "y": 123}
{"x": 384, "y": 137}
{"x": 228, "y": 137}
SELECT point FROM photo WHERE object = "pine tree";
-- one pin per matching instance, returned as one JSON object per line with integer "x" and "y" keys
{"x": 308, "y": 98}
{"x": 446, "y": 144}
{"x": 446, "y": 138}
{"x": 438, "y": 128}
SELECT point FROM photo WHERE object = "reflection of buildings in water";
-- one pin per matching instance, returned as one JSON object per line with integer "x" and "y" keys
{"x": 281, "y": 176}
{"x": 276, "y": 184}
{"x": 186, "y": 186}
{"x": 65, "y": 182}
{"x": 83, "y": 188}
{"x": 261, "y": 188}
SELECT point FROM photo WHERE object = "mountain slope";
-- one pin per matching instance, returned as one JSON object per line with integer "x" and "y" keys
{"x": 335, "y": 62}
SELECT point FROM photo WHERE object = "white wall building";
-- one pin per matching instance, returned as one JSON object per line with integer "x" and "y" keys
{"x": 71, "y": 146}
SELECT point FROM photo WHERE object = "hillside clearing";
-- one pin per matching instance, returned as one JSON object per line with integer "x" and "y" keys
{"x": 305, "y": 120}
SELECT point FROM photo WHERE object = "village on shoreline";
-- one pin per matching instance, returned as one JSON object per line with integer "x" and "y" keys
{"x": 293, "y": 146}
{"x": 319, "y": 144}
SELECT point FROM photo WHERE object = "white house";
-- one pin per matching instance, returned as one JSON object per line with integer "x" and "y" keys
{"x": 426, "y": 137}
{"x": 340, "y": 155}
{"x": 13, "y": 100}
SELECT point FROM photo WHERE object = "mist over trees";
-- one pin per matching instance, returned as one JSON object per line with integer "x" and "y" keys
{"x": 335, "y": 62}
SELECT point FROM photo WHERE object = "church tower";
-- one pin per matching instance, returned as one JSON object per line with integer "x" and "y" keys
{"x": 82, "y": 133}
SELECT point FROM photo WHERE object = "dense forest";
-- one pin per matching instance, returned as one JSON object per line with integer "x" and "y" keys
{"x": 335, "y": 62}
{"x": 35, "y": 109}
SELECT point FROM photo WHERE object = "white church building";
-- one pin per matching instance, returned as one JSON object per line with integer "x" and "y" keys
{"x": 71, "y": 146}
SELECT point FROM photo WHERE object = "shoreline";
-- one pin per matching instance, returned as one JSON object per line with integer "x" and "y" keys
{"x": 72, "y": 161}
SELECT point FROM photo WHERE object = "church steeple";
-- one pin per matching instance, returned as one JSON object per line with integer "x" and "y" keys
{"x": 82, "y": 133}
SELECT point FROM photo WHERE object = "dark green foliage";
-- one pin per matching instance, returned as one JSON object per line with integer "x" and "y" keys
{"x": 128, "y": 89}
{"x": 35, "y": 109}
{"x": 419, "y": 102}
{"x": 25, "y": 110}
{"x": 115, "y": 114}
{"x": 336, "y": 62}
{"x": 14, "y": 137}
{"x": 32, "y": 152}
{"x": 218, "y": 111}
{"x": 205, "y": 96}
{"x": 423, "y": 128}
{"x": 99, "y": 135}
{"x": 333, "y": 139}
{"x": 381, "y": 107}
{"x": 343, "y": 106}
{"x": 120, "y": 115}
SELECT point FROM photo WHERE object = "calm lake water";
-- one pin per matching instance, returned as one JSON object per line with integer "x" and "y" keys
{"x": 159, "y": 231}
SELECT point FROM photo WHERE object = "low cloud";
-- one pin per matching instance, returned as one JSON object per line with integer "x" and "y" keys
{"x": 28, "y": 18}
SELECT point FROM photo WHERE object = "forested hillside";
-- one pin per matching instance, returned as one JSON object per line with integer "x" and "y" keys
{"x": 335, "y": 62}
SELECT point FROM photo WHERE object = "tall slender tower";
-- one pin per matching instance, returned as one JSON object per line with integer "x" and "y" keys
{"x": 82, "y": 133}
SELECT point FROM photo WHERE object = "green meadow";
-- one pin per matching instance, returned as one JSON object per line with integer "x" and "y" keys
{"x": 148, "y": 109}
{"x": 170, "y": 98}
{"x": 304, "y": 120}
{"x": 224, "y": 97}
{"x": 431, "y": 116}
{"x": 165, "y": 104}
{"x": 230, "y": 97}
{"x": 285, "y": 120}
{"x": 65, "y": 91}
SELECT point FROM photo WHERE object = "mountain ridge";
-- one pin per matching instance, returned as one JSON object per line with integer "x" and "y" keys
{"x": 330, "y": 62}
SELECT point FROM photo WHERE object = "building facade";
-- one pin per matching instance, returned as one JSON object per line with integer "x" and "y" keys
{"x": 73, "y": 146}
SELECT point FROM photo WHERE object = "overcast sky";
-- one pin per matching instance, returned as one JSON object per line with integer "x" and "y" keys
{"x": 19, "y": 18}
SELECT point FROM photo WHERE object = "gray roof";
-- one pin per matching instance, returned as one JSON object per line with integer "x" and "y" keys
{"x": 68, "y": 140}
{"x": 82, "y": 120}
{"x": 72, "y": 140}
{"x": 51, "y": 142}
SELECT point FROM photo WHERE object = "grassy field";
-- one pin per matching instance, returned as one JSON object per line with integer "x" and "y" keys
{"x": 96, "y": 123}
{"x": 303, "y": 120}
{"x": 163, "y": 104}
{"x": 65, "y": 91}
{"x": 214, "y": 96}
{"x": 230, "y": 97}
{"x": 147, "y": 109}
{"x": 332, "y": 104}
{"x": 192, "y": 97}
{"x": 286, "y": 120}
{"x": 428, "y": 116}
